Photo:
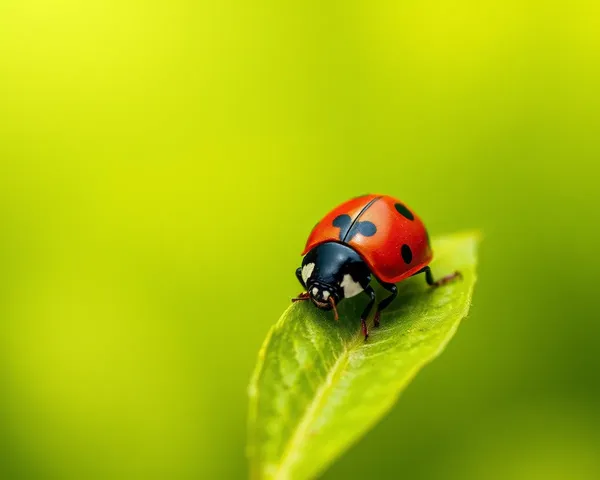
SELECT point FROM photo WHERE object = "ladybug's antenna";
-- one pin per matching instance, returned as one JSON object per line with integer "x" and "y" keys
{"x": 332, "y": 301}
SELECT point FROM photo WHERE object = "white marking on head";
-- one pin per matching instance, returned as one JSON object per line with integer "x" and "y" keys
{"x": 307, "y": 271}
{"x": 315, "y": 290}
{"x": 351, "y": 288}
{"x": 325, "y": 295}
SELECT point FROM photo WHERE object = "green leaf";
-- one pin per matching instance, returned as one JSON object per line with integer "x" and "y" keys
{"x": 319, "y": 386}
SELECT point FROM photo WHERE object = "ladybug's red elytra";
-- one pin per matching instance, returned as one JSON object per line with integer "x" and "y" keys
{"x": 371, "y": 235}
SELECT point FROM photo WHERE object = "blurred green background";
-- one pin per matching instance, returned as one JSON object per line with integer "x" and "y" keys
{"x": 161, "y": 164}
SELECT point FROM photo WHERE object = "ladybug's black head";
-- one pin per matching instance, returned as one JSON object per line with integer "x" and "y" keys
{"x": 323, "y": 295}
{"x": 323, "y": 271}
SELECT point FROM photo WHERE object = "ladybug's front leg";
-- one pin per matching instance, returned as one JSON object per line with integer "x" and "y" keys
{"x": 301, "y": 296}
{"x": 363, "y": 318}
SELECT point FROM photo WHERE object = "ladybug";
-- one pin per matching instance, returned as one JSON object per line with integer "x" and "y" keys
{"x": 368, "y": 236}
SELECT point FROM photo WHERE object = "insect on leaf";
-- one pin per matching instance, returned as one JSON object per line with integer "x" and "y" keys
{"x": 319, "y": 386}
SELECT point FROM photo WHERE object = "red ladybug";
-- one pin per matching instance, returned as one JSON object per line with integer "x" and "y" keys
{"x": 372, "y": 235}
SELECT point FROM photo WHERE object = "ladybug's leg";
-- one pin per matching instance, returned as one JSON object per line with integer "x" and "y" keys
{"x": 390, "y": 287}
{"x": 363, "y": 318}
{"x": 442, "y": 281}
{"x": 301, "y": 296}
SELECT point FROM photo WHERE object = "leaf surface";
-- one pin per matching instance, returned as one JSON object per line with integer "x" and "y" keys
{"x": 318, "y": 386}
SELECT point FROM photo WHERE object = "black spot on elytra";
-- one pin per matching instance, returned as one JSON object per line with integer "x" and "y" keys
{"x": 366, "y": 229}
{"x": 405, "y": 212}
{"x": 344, "y": 223}
{"x": 406, "y": 253}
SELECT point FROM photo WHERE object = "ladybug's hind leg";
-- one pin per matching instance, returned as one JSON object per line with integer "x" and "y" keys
{"x": 442, "y": 281}
{"x": 390, "y": 287}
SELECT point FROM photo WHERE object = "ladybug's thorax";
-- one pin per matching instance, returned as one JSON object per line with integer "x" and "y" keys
{"x": 326, "y": 269}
